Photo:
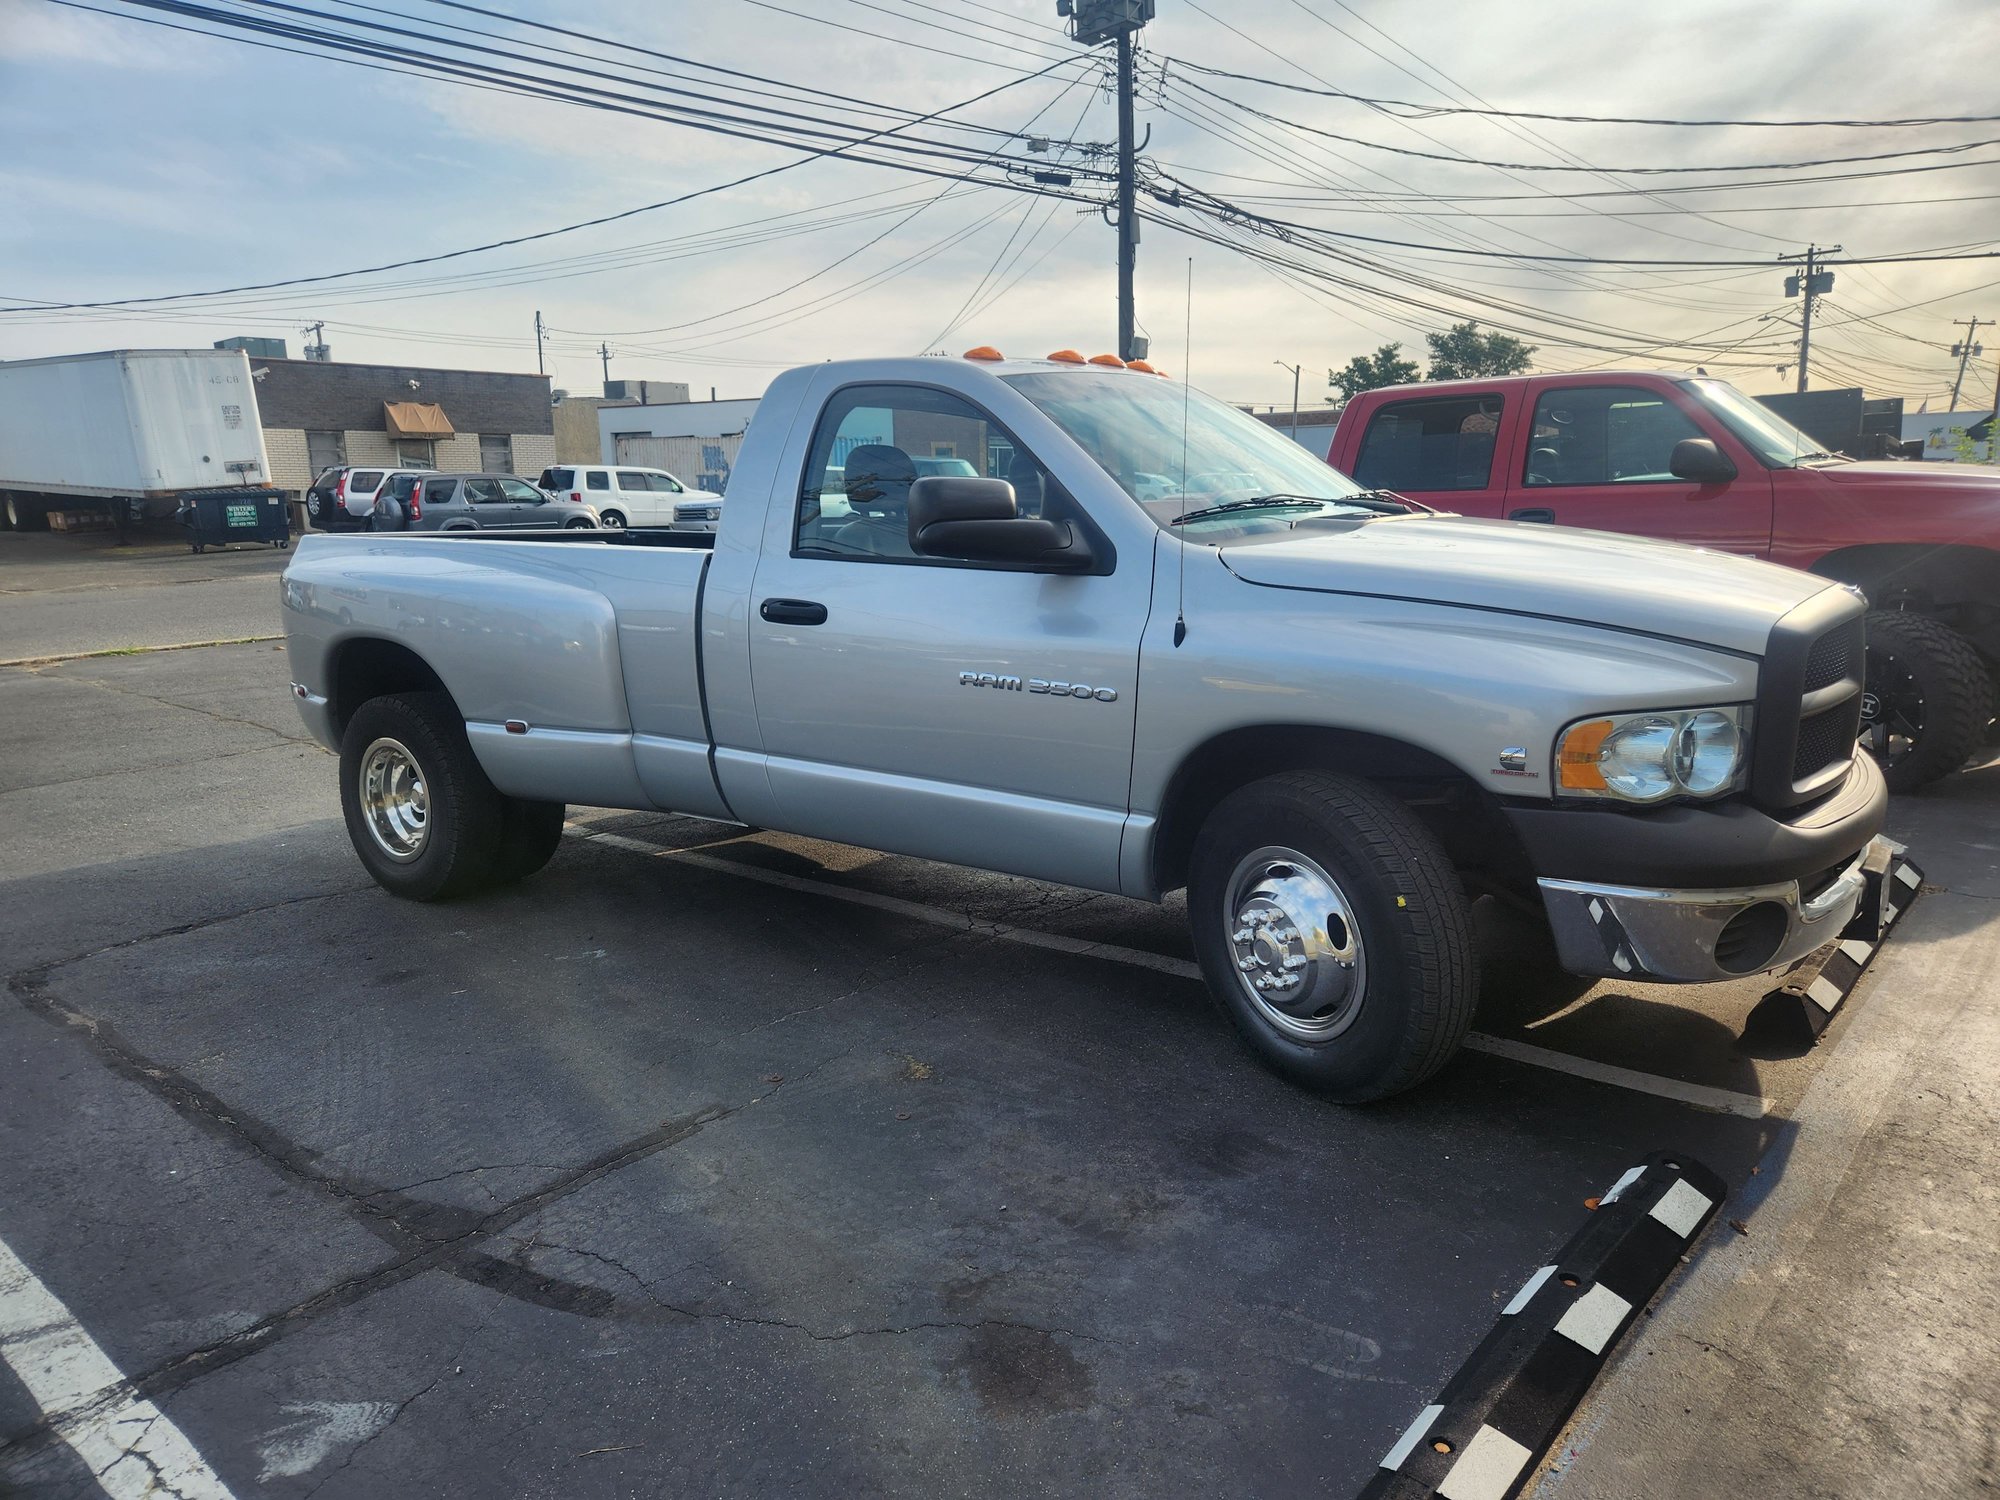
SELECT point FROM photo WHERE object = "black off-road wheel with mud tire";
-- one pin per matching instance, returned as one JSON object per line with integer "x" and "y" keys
{"x": 1928, "y": 702}
{"x": 1334, "y": 934}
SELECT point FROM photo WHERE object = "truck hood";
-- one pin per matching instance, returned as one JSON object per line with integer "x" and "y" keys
{"x": 1591, "y": 577}
{"x": 1892, "y": 478}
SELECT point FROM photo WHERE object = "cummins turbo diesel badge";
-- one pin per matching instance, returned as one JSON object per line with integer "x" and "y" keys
{"x": 1037, "y": 685}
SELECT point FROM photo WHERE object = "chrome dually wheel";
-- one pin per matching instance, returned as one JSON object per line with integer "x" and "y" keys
{"x": 395, "y": 802}
{"x": 1333, "y": 932}
{"x": 1298, "y": 949}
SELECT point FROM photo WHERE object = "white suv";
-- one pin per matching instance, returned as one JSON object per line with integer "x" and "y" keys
{"x": 622, "y": 496}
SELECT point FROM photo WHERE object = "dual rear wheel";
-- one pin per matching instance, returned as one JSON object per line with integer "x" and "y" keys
{"x": 420, "y": 812}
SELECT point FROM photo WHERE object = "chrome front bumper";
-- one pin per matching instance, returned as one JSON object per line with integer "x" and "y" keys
{"x": 1672, "y": 936}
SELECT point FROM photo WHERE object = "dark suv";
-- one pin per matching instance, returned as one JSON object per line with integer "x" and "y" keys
{"x": 467, "y": 502}
{"x": 342, "y": 498}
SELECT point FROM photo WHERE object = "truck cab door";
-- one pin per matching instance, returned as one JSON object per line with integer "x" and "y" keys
{"x": 976, "y": 713}
{"x": 1599, "y": 456}
{"x": 1438, "y": 449}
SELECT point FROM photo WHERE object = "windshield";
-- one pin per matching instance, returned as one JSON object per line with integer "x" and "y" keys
{"x": 1763, "y": 431}
{"x": 1178, "y": 452}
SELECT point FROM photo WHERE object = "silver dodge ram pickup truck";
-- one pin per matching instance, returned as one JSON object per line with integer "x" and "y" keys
{"x": 1333, "y": 716}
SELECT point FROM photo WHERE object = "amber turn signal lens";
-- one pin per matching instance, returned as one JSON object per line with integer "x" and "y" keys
{"x": 1067, "y": 357}
{"x": 984, "y": 351}
{"x": 1576, "y": 760}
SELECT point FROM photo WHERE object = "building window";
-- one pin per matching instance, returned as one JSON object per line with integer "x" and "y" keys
{"x": 325, "y": 450}
{"x": 496, "y": 453}
{"x": 416, "y": 453}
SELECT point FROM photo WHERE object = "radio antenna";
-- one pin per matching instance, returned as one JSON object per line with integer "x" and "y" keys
{"x": 1187, "y": 354}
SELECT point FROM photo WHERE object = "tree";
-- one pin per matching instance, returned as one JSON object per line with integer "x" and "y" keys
{"x": 1462, "y": 352}
{"x": 1370, "y": 372}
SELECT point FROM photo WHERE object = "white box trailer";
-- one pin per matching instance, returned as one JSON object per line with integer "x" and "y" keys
{"x": 127, "y": 430}
{"x": 701, "y": 463}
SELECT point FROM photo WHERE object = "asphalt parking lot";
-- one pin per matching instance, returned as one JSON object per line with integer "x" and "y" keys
{"x": 724, "y": 1163}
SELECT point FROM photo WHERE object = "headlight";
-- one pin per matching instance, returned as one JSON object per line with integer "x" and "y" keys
{"x": 1682, "y": 752}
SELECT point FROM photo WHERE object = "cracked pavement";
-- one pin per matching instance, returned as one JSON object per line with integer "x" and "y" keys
{"x": 770, "y": 1193}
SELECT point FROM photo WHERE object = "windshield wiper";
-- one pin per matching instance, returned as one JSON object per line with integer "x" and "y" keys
{"x": 1366, "y": 500}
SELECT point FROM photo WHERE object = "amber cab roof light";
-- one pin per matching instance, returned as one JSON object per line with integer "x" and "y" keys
{"x": 1140, "y": 365}
{"x": 984, "y": 351}
{"x": 1066, "y": 357}
{"x": 1108, "y": 359}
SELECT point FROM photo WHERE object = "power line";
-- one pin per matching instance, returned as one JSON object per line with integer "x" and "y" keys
{"x": 1428, "y": 110}
{"x": 1639, "y": 171}
{"x": 813, "y": 154}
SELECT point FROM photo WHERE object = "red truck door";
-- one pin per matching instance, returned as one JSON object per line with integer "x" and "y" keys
{"x": 1595, "y": 453}
{"x": 1442, "y": 449}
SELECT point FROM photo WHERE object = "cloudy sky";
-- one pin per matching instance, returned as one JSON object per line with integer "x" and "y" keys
{"x": 138, "y": 161}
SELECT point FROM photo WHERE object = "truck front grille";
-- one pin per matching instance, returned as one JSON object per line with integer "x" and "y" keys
{"x": 1826, "y": 738}
{"x": 1809, "y": 700}
{"x": 1832, "y": 656}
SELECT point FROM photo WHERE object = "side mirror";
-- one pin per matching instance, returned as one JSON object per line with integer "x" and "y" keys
{"x": 977, "y": 520}
{"x": 1700, "y": 460}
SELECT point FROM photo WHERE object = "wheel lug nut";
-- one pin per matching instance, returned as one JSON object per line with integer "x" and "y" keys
{"x": 1241, "y": 935}
{"x": 1290, "y": 935}
{"x": 1246, "y": 964}
{"x": 1297, "y": 961}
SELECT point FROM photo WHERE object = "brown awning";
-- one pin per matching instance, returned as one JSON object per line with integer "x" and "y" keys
{"x": 416, "y": 419}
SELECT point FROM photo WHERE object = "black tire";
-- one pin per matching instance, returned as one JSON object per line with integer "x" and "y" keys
{"x": 463, "y": 817}
{"x": 1415, "y": 955}
{"x": 579, "y": 524}
{"x": 1929, "y": 699}
{"x": 612, "y": 520}
{"x": 26, "y": 515}
{"x": 530, "y": 834}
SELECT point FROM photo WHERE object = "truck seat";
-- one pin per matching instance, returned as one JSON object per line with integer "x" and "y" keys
{"x": 878, "y": 480}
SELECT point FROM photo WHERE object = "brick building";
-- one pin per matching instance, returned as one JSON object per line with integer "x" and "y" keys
{"x": 319, "y": 413}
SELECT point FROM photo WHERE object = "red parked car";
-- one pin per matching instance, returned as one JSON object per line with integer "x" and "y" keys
{"x": 1694, "y": 460}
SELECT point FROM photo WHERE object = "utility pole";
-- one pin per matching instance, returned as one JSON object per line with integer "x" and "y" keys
{"x": 1093, "y": 22}
{"x": 1813, "y": 283}
{"x": 604, "y": 353}
{"x": 540, "y": 368}
{"x": 1295, "y": 394}
{"x": 1965, "y": 352}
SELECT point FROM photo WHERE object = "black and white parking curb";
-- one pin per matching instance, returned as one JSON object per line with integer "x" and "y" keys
{"x": 1813, "y": 992}
{"x": 1480, "y": 1439}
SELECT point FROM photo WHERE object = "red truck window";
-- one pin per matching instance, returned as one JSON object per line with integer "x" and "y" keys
{"x": 1605, "y": 435}
{"x": 1437, "y": 443}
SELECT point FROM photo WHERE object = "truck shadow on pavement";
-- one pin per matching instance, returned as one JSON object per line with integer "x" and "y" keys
{"x": 1030, "y": 1201}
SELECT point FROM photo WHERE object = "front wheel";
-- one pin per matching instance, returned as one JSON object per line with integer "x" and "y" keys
{"x": 612, "y": 520}
{"x": 1333, "y": 932}
{"x": 1928, "y": 699}
{"x": 581, "y": 523}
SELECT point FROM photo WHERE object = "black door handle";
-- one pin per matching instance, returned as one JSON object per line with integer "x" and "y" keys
{"x": 1541, "y": 513}
{"x": 793, "y": 612}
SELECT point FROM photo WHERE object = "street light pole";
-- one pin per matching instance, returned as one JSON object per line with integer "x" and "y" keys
{"x": 1295, "y": 394}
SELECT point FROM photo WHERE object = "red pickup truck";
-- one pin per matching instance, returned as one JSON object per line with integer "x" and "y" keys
{"x": 1694, "y": 460}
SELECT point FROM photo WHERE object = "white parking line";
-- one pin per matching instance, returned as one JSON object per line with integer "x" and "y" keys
{"x": 128, "y": 1444}
{"x": 1701, "y": 1096}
